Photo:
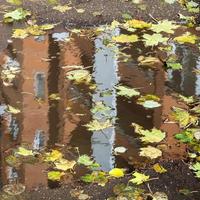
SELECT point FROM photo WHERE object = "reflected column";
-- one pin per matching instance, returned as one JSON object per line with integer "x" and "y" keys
{"x": 105, "y": 76}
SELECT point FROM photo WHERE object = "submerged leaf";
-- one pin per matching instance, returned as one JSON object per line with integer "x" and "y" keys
{"x": 15, "y": 2}
{"x": 139, "y": 178}
{"x": 150, "y": 152}
{"x": 12, "y": 110}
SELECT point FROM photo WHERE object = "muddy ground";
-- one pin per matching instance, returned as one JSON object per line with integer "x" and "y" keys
{"x": 110, "y": 10}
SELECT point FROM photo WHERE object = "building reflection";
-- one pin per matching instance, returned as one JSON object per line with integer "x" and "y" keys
{"x": 45, "y": 122}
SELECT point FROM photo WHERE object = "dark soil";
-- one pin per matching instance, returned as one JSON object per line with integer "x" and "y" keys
{"x": 178, "y": 177}
{"x": 110, "y": 10}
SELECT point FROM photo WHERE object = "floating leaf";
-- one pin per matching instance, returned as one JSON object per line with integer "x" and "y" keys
{"x": 24, "y": 152}
{"x": 126, "y": 91}
{"x": 64, "y": 165}
{"x": 96, "y": 125}
{"x": 174, "y": 65}
{"x": 186, "y": 38}
{"x": 20, "y": 33}
{"x": 79, "y": 76}
{"x": 12, "y": 110}
{"x": 159, "y": 169}
{"x": 100, "y": 107}
{"x": 183, "y": 117}
{"x": 13, "y": 161}
{"x": 150, "y": 136}
{"x": 55, "y": 175}
{"x": 155, "y": 39}
{"x": 134, "y": 23}
{"x": 185, "y": 136}
{"x": 87, "y": 161}
{"x": 16, "y": 15}
{"x": 125, "y": 38}
{"x": 139, "y": 178}
{"x": 164, "y": 26}
{"x": 150, "y": 152}
{"x": 116, "y": 172}
{"x": 53, "y": 156}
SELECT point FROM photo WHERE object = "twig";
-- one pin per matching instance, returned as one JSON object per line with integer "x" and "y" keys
{"x": 153, "y": 18}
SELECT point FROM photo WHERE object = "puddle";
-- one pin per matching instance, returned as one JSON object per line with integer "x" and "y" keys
{"x": 39, "y": 70}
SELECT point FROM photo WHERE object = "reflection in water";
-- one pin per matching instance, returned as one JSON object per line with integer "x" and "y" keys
{"x": 105, "y": 76}
{"x": 185, "y": 81}
{"x": 43, "y": 122}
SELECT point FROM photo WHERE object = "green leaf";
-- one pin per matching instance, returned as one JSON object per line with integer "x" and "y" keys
{"x": 174, "y": 65}
{"x": 126, "y": 91}
{"x": 164, "y": 26}
{"x": 98, "y": 177}
{"x": 16, "y": 15}
{"x": 185, "y": 136}
{"x": 55, "y": 175}
{"x": 155, "y": 39}
{"x": 139, "y": 178}
{"x": 150, "y": 152}
{"x": 187, "y": 100}
{"x": 87, "y": 161}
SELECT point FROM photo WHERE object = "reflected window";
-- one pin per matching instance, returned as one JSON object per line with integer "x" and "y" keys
{"x": 39, "y": 140}
{"x": 40, "y": 85}
{"x": 13, "y": 127}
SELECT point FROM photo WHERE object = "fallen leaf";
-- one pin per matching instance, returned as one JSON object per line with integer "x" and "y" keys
{"x": 53, "y": 156}
{"x": 139, "y": 178}
{"x": 96, "y": 125}
{"x": 126, "y": 91}
{"x": 150, "y": 152}
{"x": 24, "y": 152}
{"x": 62, "y": 8}
{"x": 13, "y": 110}
{"x": 55, "y": 175}
{"x": 87, "y": 161}
{"x": 154, "y": 39}
{"x": 137, "y": 24}
{"x": 186, "y": 38}
{"x": 64, "y": 165}
{"x": 116, "y": 172}
{"x": 125, "y": 38}
{"x": 159, "y": 169}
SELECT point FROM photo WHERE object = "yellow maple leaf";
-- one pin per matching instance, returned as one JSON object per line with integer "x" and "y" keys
{"x": 134, "y": 23}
